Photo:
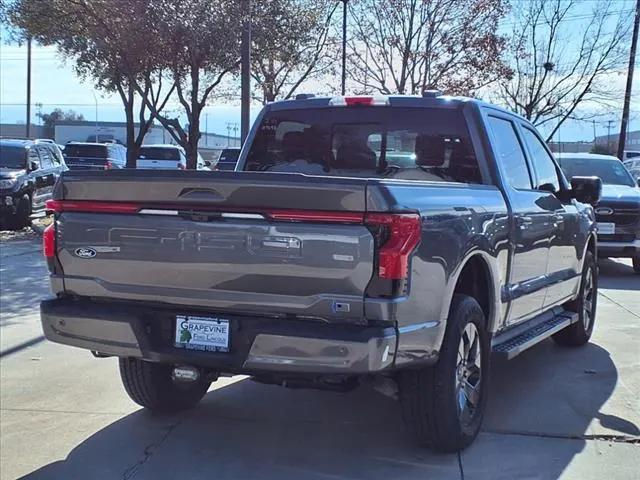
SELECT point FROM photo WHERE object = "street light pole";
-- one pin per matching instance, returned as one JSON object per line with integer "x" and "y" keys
{"x": 28, "y": 126}
{"x": 245, "y": 69}
{"x": 95, "y": 99}
{"x": 627, "y": 96}
{"x": 344, "y": 46}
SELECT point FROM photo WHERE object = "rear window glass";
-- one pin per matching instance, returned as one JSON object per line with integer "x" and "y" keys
{"x": 154, "y": 153}
{"x": 87, "y": 151}
{"x": 405, "y": 143}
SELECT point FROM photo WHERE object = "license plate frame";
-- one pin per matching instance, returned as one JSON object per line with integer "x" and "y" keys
{"x": 606, "y": 228}
{"x": 200, "y": 333}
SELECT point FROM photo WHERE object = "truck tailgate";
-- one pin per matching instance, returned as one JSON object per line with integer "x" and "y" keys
{"x": 221, "y": 241}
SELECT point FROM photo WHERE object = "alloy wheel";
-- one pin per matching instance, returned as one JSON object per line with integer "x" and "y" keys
{"x": 468, "y": 374}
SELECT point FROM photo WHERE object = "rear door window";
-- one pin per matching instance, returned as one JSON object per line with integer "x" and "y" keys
{"x": 46, "y": 161}
{"x": 394, "y": 142}
{"x": 510, "y": 154}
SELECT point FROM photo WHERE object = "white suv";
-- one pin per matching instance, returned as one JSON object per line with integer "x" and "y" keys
{"x": 165, "y": 157}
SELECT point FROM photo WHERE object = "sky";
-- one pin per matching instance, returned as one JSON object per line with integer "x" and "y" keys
{"x": 55, "y": 84}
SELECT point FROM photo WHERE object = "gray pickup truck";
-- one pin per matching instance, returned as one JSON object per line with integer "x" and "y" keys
{"x": 400, "y": 239}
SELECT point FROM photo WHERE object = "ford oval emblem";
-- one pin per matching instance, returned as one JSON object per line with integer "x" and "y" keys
{"x": 604, "y": 211}
{"x": 85, "y": 252}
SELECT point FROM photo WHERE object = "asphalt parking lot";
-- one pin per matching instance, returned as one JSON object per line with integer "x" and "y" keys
{"x": 553, "y": 412}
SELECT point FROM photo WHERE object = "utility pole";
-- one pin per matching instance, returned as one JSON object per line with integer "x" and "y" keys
{"x": 594, "y": 133}
{"x": 609, "y": 122}
{"x": 627, "y": 94}
{"x": 28, "y": 126}
{"x": 245, "y": 70}
{"x": 344, "y": 46}
{"x": 206, "y": 127}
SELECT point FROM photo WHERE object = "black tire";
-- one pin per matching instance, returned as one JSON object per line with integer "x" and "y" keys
{"x": 430, "y": 396}
{"x": 636, "y": 264}
{"x": 151, "y": 386}
{"x": 579, "y": 333}
{"x": 22, "y": 217}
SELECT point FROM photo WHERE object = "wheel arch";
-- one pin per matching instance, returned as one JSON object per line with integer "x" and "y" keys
{"x": 477, "y": 270}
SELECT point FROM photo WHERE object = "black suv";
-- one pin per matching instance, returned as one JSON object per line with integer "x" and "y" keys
{"x": 28, "y": 171}
{"x": 95, "y": 156}
{"x": 618, "y": 212}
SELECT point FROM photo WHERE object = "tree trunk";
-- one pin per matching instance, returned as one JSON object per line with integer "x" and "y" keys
{"x": 132, "y": 148}
{"x": 194, "y": 122}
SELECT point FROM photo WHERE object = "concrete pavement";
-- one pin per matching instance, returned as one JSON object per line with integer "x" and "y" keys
{"x": 553, "y": 412}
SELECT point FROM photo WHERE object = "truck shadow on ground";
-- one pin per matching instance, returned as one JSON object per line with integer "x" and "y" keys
{"x": 248, "y": 430}
{"x": 616, "y": 275}
{"x": 24, "y": 279}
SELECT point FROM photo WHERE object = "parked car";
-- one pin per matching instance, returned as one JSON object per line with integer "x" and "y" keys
{"x": 228, "y": 159}
{"x": 165, "y": 157}
{"x": 634, "y": 168}
{"x": 28, "y": 171}
{"x": 618, "y": 212}
{"x": 348, "y": 266}
{"x": 630, "y": 154}
{"x": 95, "y": 156}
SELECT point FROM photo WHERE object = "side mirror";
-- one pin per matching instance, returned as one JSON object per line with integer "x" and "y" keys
{"x": 548, "y": 187}
{"x": 586, "y": 189}
{"x": 33, "y": 166}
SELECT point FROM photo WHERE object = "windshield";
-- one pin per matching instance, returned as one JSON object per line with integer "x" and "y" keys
{"x": 156, "y": 153}
{"x": 13, "y": 157}
{"x": 87, "y": 151}
{"x": 611, "y": 172}
{"x": 393, "y": 142}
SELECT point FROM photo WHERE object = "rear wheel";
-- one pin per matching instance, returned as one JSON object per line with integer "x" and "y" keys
{"x": 580, "y": 332}
{"x": 443, "y": 405}
{"x": 151, "y": 386}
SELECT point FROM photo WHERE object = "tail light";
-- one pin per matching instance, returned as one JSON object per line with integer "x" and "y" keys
{"x": 364, "y": 101}
{"x": 401, "y": 235}
{"x": 108, "y": 165}
{"x": 49, "y": 242}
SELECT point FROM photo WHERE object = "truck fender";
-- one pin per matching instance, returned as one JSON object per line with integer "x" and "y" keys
{"x": 494, "y": 287}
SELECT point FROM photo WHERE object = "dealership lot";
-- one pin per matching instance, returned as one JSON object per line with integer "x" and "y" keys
{"x": 553, "y": 413}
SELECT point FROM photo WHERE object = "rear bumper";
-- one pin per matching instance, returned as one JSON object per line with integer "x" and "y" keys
{"x": 619, "y": 249}
{"x": 256, "y": 344}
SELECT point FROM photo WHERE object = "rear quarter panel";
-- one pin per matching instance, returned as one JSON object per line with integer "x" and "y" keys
{"x": 458, "y": 222}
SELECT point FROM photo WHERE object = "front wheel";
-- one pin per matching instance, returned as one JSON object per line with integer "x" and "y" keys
{"x": 22, "y": 217}
{"x": 151, "y": 386}
{"x": 443, "y": 405}
{"x": 580, "y": 332}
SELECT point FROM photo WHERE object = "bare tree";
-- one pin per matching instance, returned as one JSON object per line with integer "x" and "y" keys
{"x": 291, "y": 44}
{"x": 199, "y": 46}
{"x": 563, "y": 57}
{"x": 406, "y": 46}
{"x": 108, "y": 42}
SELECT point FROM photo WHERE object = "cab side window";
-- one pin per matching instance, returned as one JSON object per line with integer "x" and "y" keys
{"x": 542, "y": 162}
{"x": 33, "y": 157}
{"x": 510, "y": 154}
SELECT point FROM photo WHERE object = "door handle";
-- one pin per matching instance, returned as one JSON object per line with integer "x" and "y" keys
{"x": 523, "y": 222}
